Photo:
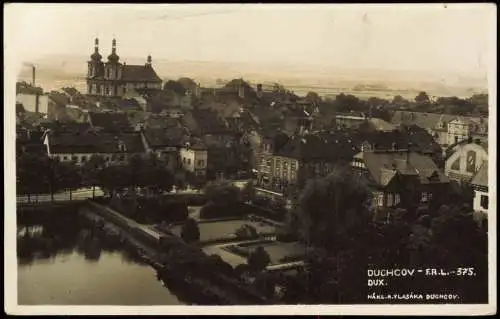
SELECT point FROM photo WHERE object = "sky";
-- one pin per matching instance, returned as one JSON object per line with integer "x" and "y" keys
{"x": 458, "y": 38}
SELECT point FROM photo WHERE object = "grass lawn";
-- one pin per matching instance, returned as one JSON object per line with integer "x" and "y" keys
{"x": 222, "y": 229}
{"x": 278, "y": 250}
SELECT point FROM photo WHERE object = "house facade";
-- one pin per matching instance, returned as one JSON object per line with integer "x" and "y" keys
{"x": 446, "y": 129}
{"x": 79, "y": 147}
{"x": 480, "y": 186}
{"x": 193, "y": 158}
{"x": 164, "y": 143}
{"x": 397, "y": 176}
{"x": 465, "y": 161}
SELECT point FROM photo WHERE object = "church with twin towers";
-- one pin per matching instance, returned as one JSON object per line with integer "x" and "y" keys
{"x": 114, "y": 79}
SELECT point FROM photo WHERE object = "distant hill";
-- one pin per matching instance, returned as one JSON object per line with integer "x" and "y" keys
{"x": 53, "y": 70}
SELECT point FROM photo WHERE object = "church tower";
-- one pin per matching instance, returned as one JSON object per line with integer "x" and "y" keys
{"x": 95, "y": 69}
{"x": 112, "y": 72}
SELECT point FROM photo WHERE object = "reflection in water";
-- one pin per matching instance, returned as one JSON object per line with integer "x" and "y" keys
{"x": 62, "y": 260}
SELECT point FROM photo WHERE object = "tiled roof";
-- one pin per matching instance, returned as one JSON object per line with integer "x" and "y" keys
{"x": 129, "y": 104}
{"x": 59, "y": 98}
{"x": 208, "y": 122}
{"x": 164, "y": 137}
{"x": 385, "y": 165}
{"x": 28, "y": 89}
{"x": 110, "y": 120}
{"x": 481, "y": 178}
{"x": 381, "y": 125}
{"x": 139, "y": 73}
{"x": 71, "y": 91}
{"x": 324, "y": 146}
{"x": 94, "y": 143}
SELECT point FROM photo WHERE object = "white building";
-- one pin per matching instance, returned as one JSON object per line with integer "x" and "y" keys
{"x": 194, "y": 158}
{"x": 480, "y": 185}
{"x": 34, "y": 102}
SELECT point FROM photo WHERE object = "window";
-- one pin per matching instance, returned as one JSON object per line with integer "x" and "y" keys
{"x": 124, "y": 89}
{"x": 122, "y": 158}
{"x": 484, "y": 201}
{"x": 456, "y": 139}
{"x": 107, "y": 90}
{"x": 65, "y": 158}
{"x": 201, "y": 162}
{"x": 109, "y": 73}
{"x": 425, "y": 197}
{"x": 184, "y": 160}
{"x": 189, "y": 161}
{"x": 84, "y": 158}
{"x": 74, "y": 158}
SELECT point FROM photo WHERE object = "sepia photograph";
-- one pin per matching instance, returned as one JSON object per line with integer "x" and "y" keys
{"x": 250, "y": 159}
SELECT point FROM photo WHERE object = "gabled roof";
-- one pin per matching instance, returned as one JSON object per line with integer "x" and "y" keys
{"x": 383, "y": 166}
{"x": 59, "y": 98}
{"x": 111, "y": 121}
{"x": 481, "y": 178}
{"x": 208, "y": 122}
{"x": 139, "y": 73}
{"x": 71, "y": 91}
{"x": 94, "y": 143}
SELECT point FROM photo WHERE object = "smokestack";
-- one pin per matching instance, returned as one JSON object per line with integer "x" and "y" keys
{"x": 33, "y": 82}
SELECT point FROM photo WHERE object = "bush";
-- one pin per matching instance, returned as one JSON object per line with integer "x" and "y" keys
{"x": 247, "y": 232}
{"x": 258, "y": 259}
{"x": 213, "y": 210}
{"x": 190, "y": 231}
{"x": 151, "y": 210}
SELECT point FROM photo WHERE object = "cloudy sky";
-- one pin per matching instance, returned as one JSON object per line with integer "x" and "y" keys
{"x": 456, "y": 38}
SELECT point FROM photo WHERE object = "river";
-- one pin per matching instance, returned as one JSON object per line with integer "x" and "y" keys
{"x": 62, "y": 261}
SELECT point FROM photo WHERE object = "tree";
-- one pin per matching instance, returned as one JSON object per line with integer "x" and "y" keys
{"x": 222, "y": 193}
{"x": 331, "y": 207}
{"x": 248, "y": 191}
{"x": 265, "y": 283}
{"x": 91, "y": 171}
{"x": 399, "y": 101}
{"x": 258, "y": 259}
{"x": 175, "y": 87}
{"x": 422, "y": 98}
{"x": 313, "y": 97}
{"x": 190, "y": 231}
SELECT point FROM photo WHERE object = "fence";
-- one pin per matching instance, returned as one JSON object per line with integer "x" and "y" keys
{"x": 79, "y": 194}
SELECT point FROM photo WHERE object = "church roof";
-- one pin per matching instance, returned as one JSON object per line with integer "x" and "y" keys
{"x": 139, "y": 73}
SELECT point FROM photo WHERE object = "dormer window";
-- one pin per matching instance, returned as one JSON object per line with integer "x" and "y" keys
{"x": 122, "y": 147}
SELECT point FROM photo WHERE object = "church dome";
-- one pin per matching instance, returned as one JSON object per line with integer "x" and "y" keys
{"x": 113, "y": 57}
{"x": 96, "y": 56}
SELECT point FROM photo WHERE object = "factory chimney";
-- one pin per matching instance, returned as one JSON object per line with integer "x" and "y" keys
{"x": 33, "y": 69}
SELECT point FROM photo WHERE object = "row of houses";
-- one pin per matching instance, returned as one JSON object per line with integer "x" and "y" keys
{"x": 393, "y": 163}
{"x": 447, "y": 129}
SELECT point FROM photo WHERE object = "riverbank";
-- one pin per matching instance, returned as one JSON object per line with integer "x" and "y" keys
{"x": 208, "y": 287}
